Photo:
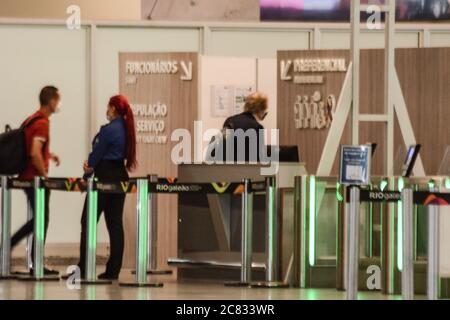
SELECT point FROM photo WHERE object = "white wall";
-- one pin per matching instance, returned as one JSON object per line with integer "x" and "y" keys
{"x": 254, "y": 42}
{"x": 218, "y": 71}
{"x": 30, "y": 58}
{"x": 373, "y": 39}
{"x": 33, "y": 55}
{"x": 239, "y": 72}
{"x": 267, "y": 83}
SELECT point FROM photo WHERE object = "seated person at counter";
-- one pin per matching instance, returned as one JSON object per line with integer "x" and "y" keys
{"x": 243, "y": 134}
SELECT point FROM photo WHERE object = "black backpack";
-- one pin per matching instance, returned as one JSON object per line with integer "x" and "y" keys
{"x": 13, "y": 153}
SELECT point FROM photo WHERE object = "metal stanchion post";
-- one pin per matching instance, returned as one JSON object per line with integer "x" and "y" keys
{"x": 353, "y": 245}
{"x": 91, "y": 241}
{"x": 433, "y": 253}
{"x": 143, "y": 209}
{"x": 342, "y": 223}
{"x": 247, "y": 234}
{"x": 39, "y": 229}
{"x": 5, "y": 253}
{"x": 153, "y": 231}
{"x": 272, "y": 230}
{"x": 272, "y": 238}
{"x": 28, "y": 246}
{"x": 153, "y": 228}
{"x": 298, "y": 268}
{"x": 39, "y": 234}
{"x": 246, "y": 237}
{"x": 389, "y": 250}
{"x": 408, "y": 245}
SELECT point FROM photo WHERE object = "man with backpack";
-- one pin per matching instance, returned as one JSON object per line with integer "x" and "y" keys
{"x": 36, "y": 130}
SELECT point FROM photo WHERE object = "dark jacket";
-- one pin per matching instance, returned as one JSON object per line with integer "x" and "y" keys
{"x": 109, "y": 144}
{"x": 246, "y": 123}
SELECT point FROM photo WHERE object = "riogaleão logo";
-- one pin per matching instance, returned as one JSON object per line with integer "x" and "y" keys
{"x": 71, "y": 184}
{"x": 221, "y": 187}
{"x": 125, "y": 186}
{"x": 240, "y": 189}
{"x": 432, "y": 199}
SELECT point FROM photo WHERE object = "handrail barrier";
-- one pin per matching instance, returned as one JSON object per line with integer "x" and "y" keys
{"x": 246, "y": 189}
{"x": 432, "y": 200}
{"x": 145, "y": 188}
{"x": 310, "y": 192}
{"x": 273, "y": 203}
{"x": 153, "y": 237}
{"x": 355, "y": 196}
{"x": 306, "y": 200}
{"x": 397, "y": 238}
{"x": 5, "y": 256}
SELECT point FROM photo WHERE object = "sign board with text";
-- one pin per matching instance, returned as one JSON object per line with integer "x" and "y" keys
{"x": 163, "y": 91}
{"x": 309, "y": 88}
{"x": 355, "y": 165}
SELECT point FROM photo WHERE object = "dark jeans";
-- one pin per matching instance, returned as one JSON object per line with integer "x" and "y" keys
{"x": 112, "y": 205}
{"x": 28, "y": 228}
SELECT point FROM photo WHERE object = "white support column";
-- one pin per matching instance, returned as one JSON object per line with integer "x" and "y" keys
{"x": 92, "y": 73}
{"x": 389, "y": 65}
{"x": 355, "y": 56}
{"x": 425, "y": 39}
{"x": 316, "y": 39}
{"x": 205, "y": 43}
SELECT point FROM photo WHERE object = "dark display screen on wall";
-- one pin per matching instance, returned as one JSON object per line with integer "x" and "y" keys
{"x": 339, "y": 10}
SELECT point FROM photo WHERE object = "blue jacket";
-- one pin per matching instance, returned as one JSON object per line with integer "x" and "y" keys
{"x": 109, "y": 144}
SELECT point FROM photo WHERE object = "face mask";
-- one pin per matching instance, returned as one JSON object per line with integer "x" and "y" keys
{"x": 58, "y": 108}
{"x": 109, "y": 115}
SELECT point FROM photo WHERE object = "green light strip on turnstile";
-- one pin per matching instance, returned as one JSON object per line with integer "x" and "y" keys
{"x": 431, "y": 184}
{"x": 312, "y": 221}
{"x": 91, "y": 293}
{"x": 40, "y": 230}
{"x": 383, "y": 184}
{"x": 143, "y": 226}
{"x": 339, "y": 196}
{"x": 39, "y": 294}
{"x": 447, "y": 183}
{"x": 270, "y": 224}
{"x": 40, "y": 214}
{"x": 401, "y": 186}
{"x": 92, "y": 232}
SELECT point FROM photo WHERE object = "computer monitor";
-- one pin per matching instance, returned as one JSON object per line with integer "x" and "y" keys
{"x": 288, "y": 154}
{"x": 410, "y": 161}
{"x": 374, "y": 146}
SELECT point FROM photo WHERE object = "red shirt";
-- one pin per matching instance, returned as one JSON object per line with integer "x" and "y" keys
{"x": 40, "y": 129}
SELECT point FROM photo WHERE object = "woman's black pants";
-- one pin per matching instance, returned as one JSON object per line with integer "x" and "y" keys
{"x": 28, "y": 227}
{"x": 112, "y": 206}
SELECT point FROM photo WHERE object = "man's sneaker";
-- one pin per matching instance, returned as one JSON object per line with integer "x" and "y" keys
{"x": 47, "y": 272}
{"x": 105, "y": 276}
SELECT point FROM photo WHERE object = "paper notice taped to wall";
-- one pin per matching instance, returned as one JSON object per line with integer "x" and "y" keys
{"x": 228, "y": 100}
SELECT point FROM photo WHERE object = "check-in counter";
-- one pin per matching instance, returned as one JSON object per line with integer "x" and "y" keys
{"x": 209, "y": 226}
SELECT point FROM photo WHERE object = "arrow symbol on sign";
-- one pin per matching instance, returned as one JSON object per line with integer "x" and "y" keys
{"x": 284, "y": 69}
{"x": 187, "y": 69}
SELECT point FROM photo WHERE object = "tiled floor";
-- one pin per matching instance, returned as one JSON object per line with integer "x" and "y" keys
{"x": 19, "y": 290}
